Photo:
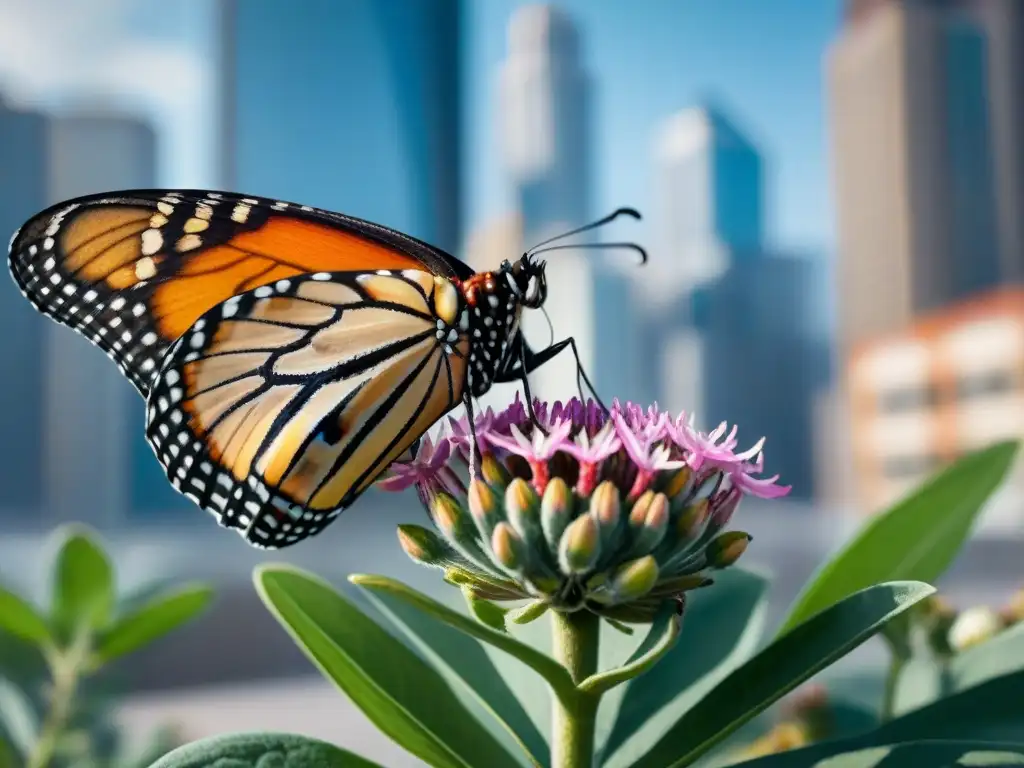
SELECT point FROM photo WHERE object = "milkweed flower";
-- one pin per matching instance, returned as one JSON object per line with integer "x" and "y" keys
{"x": 581, "y": 509}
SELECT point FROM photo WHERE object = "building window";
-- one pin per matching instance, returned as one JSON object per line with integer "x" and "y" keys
{"x": 909, "y": 399}
{"x": 902, "y": 467}
{"x": 986, "y": 384}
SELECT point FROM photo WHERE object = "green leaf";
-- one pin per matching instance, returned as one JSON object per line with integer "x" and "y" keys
{"x": 993, "y": 710}
{"x": 8, "y": 757}
{"x": 916, "y": 540}
{"x": 659, "y": 641}
{"x": 919, "y": 753}
{"x": 556, "y": 675}
{"x": 22, "y": 619}
{"x": 262, "y": 750}
{"x": 162, "y": 614}
{"x": 460, "y": 657}
{"x": 721, "y": 627}
{"x": 490, "y": 614}
{"x": 402, "y": 695}
{"x": 83, "y": 584}
{"x": 780, "y": 668}
{"x": 18, "y": 719}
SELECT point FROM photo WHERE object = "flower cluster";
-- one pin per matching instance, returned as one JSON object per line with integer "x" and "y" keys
{"x": 578, "y": 508}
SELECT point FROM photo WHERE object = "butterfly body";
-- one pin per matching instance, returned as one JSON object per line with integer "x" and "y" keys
{"x": 287, "y": 355}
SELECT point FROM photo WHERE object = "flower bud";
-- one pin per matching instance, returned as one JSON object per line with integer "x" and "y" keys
{"x": 973, "y": 627}
{"x": 484, "y": 507}
{"x": 507, "y": 547}
{"x": 726, "y": 548}
{"x": 522, "y": 507}
{"x": 605, "y": 506}
{"x": 638, "y": 512}
{"x": 633, "y": 580}
{"x": 493, "y": 471}
{"x": 451, "y": 518}
{"x": 423, "y": 546}
{"x": 555, "y": 510}
{"x": 580, "y": 545}
{"x": 691, "y": 521}
{"x": 678, "y": 482}
{"x": 649, "y": 522}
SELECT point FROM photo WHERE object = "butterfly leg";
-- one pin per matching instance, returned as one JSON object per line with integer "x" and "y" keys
{"x": 531, "y": 361}
{"x": 475, "y": 456}
{"x": 522, "y": 376}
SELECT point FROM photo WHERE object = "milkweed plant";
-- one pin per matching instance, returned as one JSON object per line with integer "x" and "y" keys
{"x": 56, "y": 709}
{"x": 615, "y": 534}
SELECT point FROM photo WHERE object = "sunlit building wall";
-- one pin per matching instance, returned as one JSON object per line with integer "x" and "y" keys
{"x": 951, "y": 383}
{"x": 546, "y": 124}
{"x": 98, "y": 465}
{"x": 24, "y": 160}
{"x": 351, "y": 106}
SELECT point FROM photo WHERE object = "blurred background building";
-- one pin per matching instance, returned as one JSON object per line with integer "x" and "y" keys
{"x": 834, "y": 211}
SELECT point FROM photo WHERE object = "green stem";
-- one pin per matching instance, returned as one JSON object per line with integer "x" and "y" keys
{"x": 892, "y": 680}
{"x": 65, "y": 669}
{"x": 575, "y": 638}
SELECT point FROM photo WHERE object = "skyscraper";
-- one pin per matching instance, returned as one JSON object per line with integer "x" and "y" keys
{"x": 913, "y": 162}
{"x": 24, "y": 162}
{"x": 98, "y": 464}
{"x": 546, "y": 123}
{"x": 761, "y": 365}
{"x": 350, "y": 106}
{"x": 1003, "y": 20}
{"x": 708, "y": 215}
{"x": 728, "y": 310}
{"x": 709, "y": 203}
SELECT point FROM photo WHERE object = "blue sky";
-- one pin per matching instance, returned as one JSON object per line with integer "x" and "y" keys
{"x": 761, "y": 60}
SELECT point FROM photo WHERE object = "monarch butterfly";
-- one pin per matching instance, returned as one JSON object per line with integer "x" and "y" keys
{"x": 287, "y": 355}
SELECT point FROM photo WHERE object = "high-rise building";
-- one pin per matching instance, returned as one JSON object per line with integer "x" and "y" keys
{"x": 913, "y": 162}
{"x": 98, "y": 465}
{"x": 23, "y": 173}
{"x": 546, "y": 123}
{"x": 710, "y": 209}
{"x": 762, "y": 367}
{"x": 1003, "y": 20}
{"x": 350, "y": 106}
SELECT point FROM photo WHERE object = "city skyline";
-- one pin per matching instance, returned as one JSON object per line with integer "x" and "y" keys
{"x": 167, "y": 73}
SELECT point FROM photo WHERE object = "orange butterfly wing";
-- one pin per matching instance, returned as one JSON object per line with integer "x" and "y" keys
{"x": 132, "y": 271}
{"x": 278, "y": 408}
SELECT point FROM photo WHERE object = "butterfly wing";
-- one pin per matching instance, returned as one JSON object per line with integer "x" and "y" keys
{"x": 132, "y": 271}
{"x": 278, "y": 408}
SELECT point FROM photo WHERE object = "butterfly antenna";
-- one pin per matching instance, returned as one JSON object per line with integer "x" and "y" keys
{"x": 583, "y": 246}
{"x": 631, "y": 212}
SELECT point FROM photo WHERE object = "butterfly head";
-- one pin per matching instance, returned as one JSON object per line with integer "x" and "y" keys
{"x": 527, "y": 280}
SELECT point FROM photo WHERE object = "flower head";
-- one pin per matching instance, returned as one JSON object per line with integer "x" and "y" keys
{"x": 615, "y": 513}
